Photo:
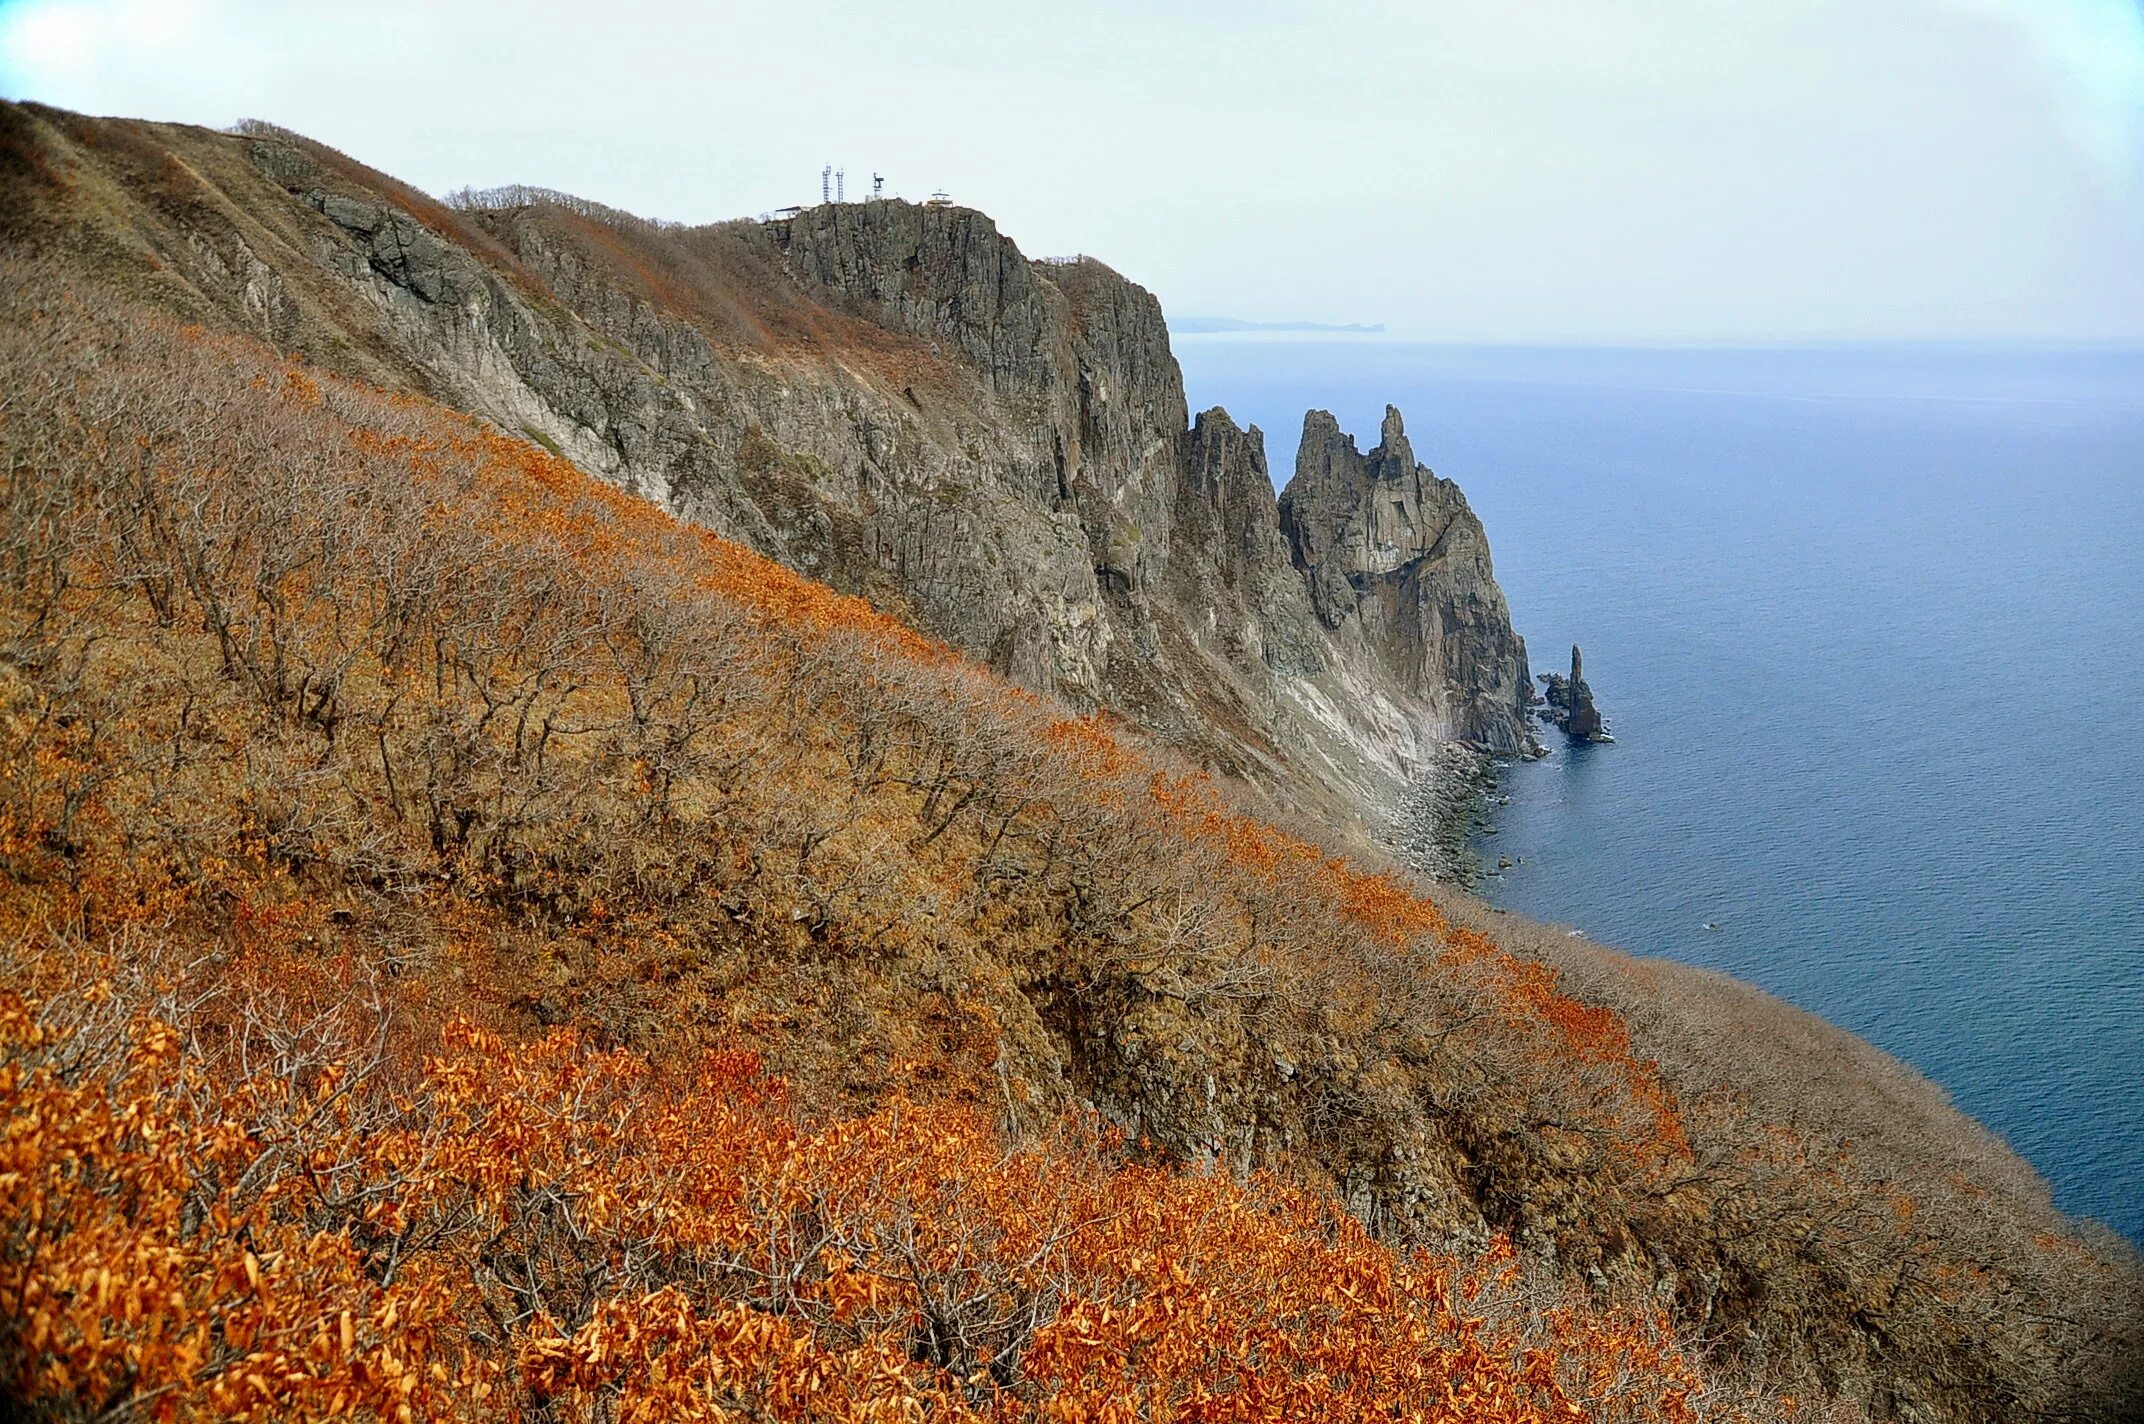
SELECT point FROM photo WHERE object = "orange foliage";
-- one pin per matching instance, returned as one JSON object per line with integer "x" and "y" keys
{"x": 372, "y": 654}
{"x": 530, "y": 494}
{"x": 549, "y": 1227}
{"x": 351, "y": 741}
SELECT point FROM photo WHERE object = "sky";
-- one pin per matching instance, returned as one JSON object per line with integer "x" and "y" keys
{"x": 1468, "y": 170}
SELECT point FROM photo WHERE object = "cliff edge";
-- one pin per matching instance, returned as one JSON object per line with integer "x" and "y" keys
{"x": 887, "y": 397}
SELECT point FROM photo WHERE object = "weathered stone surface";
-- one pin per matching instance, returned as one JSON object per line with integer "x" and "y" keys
{"x": 1585, "y": 720}
{"x": 1398, "y": 568}
{"x": 1233, "y": 575}
{"x": 997, "y": 448}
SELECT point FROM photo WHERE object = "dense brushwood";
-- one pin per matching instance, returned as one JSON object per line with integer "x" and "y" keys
{"x": 238, "y": 1223}
{"x": 394, "y": 819}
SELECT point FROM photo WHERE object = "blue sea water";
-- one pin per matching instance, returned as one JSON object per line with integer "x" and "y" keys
{"x": 1868, "y": 625}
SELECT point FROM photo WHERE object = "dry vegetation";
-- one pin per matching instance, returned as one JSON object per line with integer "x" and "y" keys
{"x": 414, "y": 849}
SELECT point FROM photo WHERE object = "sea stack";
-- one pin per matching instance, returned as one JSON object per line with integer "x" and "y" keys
{"x": 1569, "y": 703}
{"x": 1584, "y": 721}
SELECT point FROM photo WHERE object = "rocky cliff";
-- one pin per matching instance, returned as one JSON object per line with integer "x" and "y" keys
{"x": 889, "y": 397}
{"x": 1398, "y": 567}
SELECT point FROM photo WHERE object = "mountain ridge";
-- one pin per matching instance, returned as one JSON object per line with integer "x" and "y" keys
{"x": 893, "y": 399}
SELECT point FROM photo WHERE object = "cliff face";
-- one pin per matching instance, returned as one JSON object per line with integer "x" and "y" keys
{"x": 888, "y": 397}
{"x": 1398, "y": 566}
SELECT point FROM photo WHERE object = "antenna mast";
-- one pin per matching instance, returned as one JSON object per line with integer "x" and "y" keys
{"x": 878, "y": 186}
{"x": 841, "y": 185}
{"x": 826, "y": 184}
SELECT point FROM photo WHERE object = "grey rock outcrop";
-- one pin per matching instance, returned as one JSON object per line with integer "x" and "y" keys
{"x": 1398, "y": 567}
{"x": 1230, "y": 560}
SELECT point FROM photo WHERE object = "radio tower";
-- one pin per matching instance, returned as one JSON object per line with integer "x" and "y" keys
{"x": 878, "y": 186}
{"x": 841, "y": 185}
{"x": 826, "y": 184}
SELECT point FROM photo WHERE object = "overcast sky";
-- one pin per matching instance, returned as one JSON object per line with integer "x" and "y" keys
{"x": 1468, "y": 169}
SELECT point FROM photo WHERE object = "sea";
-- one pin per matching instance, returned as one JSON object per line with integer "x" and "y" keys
{"x": 1867, "y": 624}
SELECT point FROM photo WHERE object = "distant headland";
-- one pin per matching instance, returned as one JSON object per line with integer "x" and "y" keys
{"x": 1205, "y": 325}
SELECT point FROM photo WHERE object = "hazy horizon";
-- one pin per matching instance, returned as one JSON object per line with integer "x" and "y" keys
{"x": 1667, "y": 171}
{"x": 1423, "y": 337}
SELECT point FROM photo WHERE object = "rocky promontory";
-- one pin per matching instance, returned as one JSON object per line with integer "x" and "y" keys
{"x": 1398, "y": 569}
{"x": 893, "y": 400}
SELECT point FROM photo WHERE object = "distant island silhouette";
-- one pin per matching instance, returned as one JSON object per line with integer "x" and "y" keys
{"x": 1200, "y": 325}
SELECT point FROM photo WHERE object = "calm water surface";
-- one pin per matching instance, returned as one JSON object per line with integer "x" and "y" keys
{"x": 1869, "y": 628}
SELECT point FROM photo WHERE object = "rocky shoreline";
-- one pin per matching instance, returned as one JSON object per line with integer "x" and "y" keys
{"x": 1432, "y": 825}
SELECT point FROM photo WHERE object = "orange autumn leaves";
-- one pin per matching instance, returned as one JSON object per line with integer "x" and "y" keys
{"x": 553, "y": 1231}
{"x": 395, "y": 696}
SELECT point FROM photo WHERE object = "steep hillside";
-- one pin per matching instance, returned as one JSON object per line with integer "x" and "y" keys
{"x": 476, "y": 942}
{"x": 335, "y": 722}
{"x": 887, "y": 397}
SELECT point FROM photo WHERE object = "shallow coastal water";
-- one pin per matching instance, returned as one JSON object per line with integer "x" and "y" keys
{"x": 1868, "y": 625}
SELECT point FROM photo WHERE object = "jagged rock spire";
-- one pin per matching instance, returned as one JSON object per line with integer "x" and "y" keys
{"x": 1570, "y": 703}
{"x": 1393, "y": 459}
{"x": 1394, "y": 557}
